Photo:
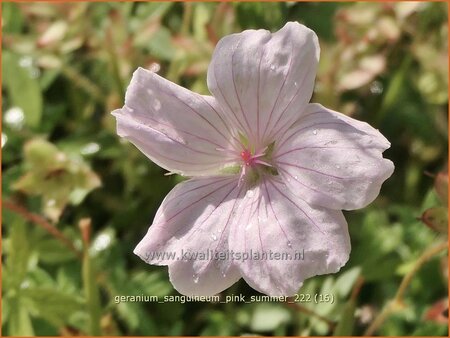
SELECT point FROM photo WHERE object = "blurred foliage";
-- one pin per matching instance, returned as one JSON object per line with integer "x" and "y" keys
{"x": 65, "y": 68}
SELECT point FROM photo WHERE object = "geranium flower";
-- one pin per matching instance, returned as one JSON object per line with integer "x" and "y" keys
{"x": 270, "y": 171}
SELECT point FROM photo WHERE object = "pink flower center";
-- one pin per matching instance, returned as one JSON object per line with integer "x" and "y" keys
{"x": 246, "y": 155}
{"x": 252, "y": 161}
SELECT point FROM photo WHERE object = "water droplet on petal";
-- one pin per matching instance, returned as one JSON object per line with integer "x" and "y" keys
{"x": 295, "y": 84}
{"x": 214, "y": 237}
{"x": 157, "y": 104}
{"x": 296, "y": 178}
{"x": 315, "y": 131}
{"x": 338, "y": 166}
{"x": 224, "y": 274}
{"x": 195, "y": 277}
{"x": 272, "y": 67}
{"x": 250, "y": 193}
{"x": 289, "y": 244}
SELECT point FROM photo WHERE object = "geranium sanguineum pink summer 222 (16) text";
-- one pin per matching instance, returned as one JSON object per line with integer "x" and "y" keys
{"x": 269, "y": 171}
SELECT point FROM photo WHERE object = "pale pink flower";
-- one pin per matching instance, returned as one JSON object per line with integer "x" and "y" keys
{"x": 270, "y": 171}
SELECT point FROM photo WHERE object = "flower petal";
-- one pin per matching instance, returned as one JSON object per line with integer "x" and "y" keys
{"x": 303, "y": 241}
{"x": 211, "y": 281}
{"x": 332, "y": 160}
{"x": 262, "y": 80}
{"x": 177, "y": 129}
{"x": 189, "y": 230}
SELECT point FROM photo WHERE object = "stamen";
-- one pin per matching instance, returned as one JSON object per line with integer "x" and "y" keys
{"x": 241, "y": 177}
{"x": 263, "y": 163}
{"x": 261, "y": 152}
{"x": 229, "y": 151}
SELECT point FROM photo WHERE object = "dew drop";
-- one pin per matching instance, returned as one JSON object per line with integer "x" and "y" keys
{"x": 214, "y": 237}
{"x": 289, "y": 244}
{"x": 338, "y": 166}
{"x": 315, "y": 131}
{"x": 157, "y": 105}
{"x": 272, "y": 67}
{"x": 296, "y": 178}
{"x": 195, "y": 277}
{"x": 154, "y": 67}
{"x": 224, "y": 274}
{"x": 250, "y": 193}
{"x": 295, "y": 84}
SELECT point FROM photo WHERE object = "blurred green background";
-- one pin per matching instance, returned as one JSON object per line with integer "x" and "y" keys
{"x": 77, "y": 199}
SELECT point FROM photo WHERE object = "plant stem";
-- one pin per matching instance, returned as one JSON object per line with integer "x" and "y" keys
{"x": 187, "y": 18}
{"x": 83, "y": 83}
{"x": 396, "y": 302}
{"x": 42, "y": 222}
{"x": 89, "y": 282}
{"x": 110, "y": 46}
{"x": 310, "y": 312}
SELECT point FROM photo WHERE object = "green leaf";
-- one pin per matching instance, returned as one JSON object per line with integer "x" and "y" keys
{"x": 154, "y": 283}
{"x": 52, "y": 305}
{"x": 347, "y": 321}
{"x": 52, "y": 251}
{"x": 23, "y": 89}
{"x": 12, "y": 17}
{"x": 431, "y": 329}
{"x": 345, "y": 281}
{"x": 385, "y": 268}
{"x": 19, "y": 321}
{"x": 55, "y": 176}
{"x": 268, "y": 15}
{"x": 153, "y": 10}
{"x": 268, "y": 317}
{"x": 18, "y": 254}
{"x": 437, "y": 219}
{"x": 395, "y": 87}
{"x": 161, "y": 44}
{"x": 92, "y": 294}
